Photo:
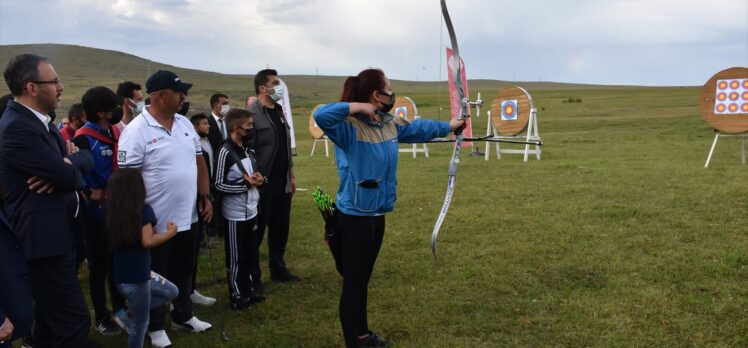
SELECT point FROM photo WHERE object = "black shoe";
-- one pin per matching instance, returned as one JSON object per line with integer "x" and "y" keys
{"x": 238, "y": 304}
{"x": 254, "y": 298}
{"x": 258, "y": 287}
{"x": 372, "y": 340}
{"x": 26, "y": 342}
{"x": 285, "y": 277}
{"x": 107, "y": 327}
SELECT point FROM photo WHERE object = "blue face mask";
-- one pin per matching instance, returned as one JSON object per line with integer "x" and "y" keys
{"x": 277, "y": 93}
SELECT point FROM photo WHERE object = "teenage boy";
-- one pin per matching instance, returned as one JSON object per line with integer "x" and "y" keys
{"x": 237, "y": 178}
{"x": 98, "y": 137}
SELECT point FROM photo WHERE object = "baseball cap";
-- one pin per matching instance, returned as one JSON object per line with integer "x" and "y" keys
{"x": 164, "y": 79}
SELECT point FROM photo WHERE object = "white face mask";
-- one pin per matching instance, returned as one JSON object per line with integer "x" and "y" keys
{"x": 277, "y": 93}
{"x": 138, "y": 108}
{"x": 225, "y": 109}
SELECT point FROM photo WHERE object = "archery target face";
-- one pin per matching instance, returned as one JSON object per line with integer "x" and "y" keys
{"x": 723, "y": 101}
{"x": 731, "y": 97}
{"x": 402, "y": 112}
{"x": 509, "y": 110}
{"x": 405, "y": 108}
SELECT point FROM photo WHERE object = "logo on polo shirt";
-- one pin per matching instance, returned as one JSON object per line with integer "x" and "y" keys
{"x": 154, "y": 140}
{"x": 122, "y": 156}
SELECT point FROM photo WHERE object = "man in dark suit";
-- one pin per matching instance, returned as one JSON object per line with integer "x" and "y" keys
{"x": 217, "y": 132}
{"x": 219, "y": 104}
{"x": 202, "y": 127}
{"x": 39, "y": 177}
{"x": 15, "y": 293}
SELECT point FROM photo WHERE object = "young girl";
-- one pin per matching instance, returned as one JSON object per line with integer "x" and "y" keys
{"x": 130, "y": 222}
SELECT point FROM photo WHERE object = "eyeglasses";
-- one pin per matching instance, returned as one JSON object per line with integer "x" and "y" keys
{"x": 52, "y": 82}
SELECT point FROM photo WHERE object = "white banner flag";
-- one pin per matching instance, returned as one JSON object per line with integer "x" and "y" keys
{"x": 287, "y": 110}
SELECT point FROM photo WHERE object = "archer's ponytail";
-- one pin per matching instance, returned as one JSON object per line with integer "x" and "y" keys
{"x": 359, "y": 88}
{"x": 349, "y": 89}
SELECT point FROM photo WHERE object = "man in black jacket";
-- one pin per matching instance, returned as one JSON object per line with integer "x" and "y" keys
{"x": 32, "y": 151}
{"x": 272, "y": 144}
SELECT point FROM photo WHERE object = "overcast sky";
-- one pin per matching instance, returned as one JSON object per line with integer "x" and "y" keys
{"x": 647, "y": 42}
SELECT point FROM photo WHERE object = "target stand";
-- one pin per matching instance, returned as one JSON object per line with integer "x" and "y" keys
{"x": 513, "y": 112}
{"x": 406, "y": 109}
{"x": 724, "y": 105}
{"x": 717, "y": 135}
{"x": 318, "y": 134}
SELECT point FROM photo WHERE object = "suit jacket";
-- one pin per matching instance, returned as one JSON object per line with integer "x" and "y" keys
{"x": 15, "y": 292}
{"x": 214, "y": 134}
{"x": 28, "y": 148}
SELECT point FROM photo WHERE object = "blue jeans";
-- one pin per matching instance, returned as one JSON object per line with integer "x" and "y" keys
{"x": 142, "y": 297}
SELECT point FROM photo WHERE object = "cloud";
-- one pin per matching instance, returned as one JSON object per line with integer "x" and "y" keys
{"x": 604, "y": 41}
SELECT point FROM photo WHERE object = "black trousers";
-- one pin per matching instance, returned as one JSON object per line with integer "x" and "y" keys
{"x": 176, "y": 260}
{"x": 242, "y": 254}
{"x": 202, "y": 231}
{"x": 361, "y": 239}
{"x": 60, "y": 314}
{"x": 275, "y": 214}
{"x": 78, "y": 233}
{"x": 100, "y": 270}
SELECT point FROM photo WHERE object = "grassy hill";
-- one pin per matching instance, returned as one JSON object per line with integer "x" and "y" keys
{"x": 618, "y": 237}
{"x": 83, "y": 67}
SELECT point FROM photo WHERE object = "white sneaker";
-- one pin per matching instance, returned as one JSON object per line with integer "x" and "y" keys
{"x": 198, "y": 298}
{"x": 159, "y": 339}
{"x": 194, "y": 325}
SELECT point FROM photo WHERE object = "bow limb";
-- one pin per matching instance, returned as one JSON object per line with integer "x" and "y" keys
{"x": 457, "y": 79}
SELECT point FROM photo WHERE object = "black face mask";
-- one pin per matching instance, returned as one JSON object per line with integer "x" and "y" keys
{"x": 184, "y": 109}
{"x": 116, "y": 116}
{"x": 388, "y": 106}
{"x": 249, "y": 138}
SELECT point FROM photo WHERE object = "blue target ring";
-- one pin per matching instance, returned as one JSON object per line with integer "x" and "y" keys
{"x": 509, "y": 110}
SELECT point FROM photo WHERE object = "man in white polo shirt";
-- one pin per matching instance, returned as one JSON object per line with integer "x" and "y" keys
{"x": 167, "y": 149}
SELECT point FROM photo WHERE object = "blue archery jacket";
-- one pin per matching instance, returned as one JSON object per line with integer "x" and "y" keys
{"x": 367, "y": 154}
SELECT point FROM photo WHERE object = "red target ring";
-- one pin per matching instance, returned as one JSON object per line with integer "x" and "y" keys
{"x": 745, "y": 95}
{"x": 734, "y": 84}
{"x": 733, "y": 107}
{"x": 734, "y": 96}
{"x": 509, "y": 110}
{"x": 722, "y": 96}
{"x": 745, "y": 107}
{"x": 722, "y": 85}
{"x": 721, "y": 108}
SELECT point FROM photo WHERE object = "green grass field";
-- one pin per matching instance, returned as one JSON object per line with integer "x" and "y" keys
{"x": 618, "y": 237}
